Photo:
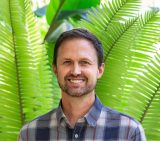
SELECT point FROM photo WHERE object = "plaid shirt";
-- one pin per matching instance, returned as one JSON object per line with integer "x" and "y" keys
{"x": 99, "y": 124}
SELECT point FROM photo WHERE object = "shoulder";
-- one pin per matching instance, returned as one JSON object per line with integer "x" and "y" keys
{"x": 42, "y": 120}
{"x": 121, "y": 124}
{"x": 121, "y": 119}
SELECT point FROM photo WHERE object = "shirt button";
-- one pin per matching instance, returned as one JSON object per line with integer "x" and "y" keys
{"x": 76, "y": 136}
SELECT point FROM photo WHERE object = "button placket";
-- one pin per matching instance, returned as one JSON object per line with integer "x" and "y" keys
{"x": 76, "y": 136}
{"x": 77, "y": 131}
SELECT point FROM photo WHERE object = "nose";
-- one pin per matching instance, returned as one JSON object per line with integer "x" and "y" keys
{"x": 76, "y": 70}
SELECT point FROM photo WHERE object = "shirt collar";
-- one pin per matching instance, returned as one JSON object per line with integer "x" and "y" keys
{"x": 92, "y": 115}
{"x": 60, "y": 113}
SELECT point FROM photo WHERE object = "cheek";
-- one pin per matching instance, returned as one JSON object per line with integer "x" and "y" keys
{"x": 61, "y": 73}
{"x": 93, "y": 75}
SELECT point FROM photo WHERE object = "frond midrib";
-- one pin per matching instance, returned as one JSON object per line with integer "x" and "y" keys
{"x": 149, "y": 104}
{"x": 16, "y": 66}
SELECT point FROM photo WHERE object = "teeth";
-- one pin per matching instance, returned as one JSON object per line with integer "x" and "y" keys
{"x": 76, "y": 81}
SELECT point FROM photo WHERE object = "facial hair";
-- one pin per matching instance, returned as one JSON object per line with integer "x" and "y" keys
{"x": 77, "y": 92}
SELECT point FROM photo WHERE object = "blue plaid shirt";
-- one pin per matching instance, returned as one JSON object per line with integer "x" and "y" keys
{"x": 99, "y": 124}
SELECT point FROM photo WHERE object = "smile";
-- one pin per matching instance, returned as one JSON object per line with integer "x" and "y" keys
{"x": 76, "y": 81}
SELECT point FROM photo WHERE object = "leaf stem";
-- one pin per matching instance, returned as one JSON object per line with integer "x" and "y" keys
{"x": 16, "y": 66}
{"x": 52, "y": 26}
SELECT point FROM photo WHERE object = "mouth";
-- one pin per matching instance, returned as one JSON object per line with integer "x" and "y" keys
{"x": 76, "y": 81}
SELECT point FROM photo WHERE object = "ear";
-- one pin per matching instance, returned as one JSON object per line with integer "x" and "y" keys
{"x": 101, "y": 70}
{"x": 54, "y": 67}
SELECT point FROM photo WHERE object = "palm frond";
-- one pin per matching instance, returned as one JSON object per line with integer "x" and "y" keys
{"x": 26, "y": 84}
{"x": 130, "y": 39}
{"x": 114, "y": 13}
{"x": 144, "y": 97}
{"x": 42, "y": 68}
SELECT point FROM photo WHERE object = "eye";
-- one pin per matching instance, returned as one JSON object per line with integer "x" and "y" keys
{"x": 85, "y": 63}
{"x": 67, "y": 62}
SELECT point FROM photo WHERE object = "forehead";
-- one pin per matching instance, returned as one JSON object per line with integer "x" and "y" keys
{"x": 77, "y": 47}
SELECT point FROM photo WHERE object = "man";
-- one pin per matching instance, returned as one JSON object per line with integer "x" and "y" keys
{"x": 78, "y": 63}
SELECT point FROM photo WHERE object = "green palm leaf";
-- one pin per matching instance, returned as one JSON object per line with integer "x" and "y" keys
{"x": 58, "y": 10}
{"x": 26, "y": 84}
{"x": 131, "y": 80}
{"x": 145, "y": 98}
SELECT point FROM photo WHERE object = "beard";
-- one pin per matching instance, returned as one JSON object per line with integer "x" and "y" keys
{"x": 77, "y": 91}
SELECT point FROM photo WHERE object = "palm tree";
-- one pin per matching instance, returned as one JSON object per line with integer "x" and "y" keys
{"x": 131, "y": 41}
{"x": 26, "y": 84}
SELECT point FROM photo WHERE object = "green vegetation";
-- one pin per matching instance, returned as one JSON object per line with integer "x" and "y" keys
{"x": 131, "y": 41}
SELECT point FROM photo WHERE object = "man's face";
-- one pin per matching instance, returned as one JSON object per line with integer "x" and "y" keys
{"x": 77, "y": 68}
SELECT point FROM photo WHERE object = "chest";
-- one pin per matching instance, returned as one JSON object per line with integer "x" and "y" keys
{"x": 81, "y": 132}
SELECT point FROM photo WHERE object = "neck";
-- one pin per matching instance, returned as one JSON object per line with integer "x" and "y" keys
{"x": 76, "y": 107}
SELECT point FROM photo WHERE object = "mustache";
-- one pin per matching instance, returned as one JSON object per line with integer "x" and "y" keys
{"x": 71, "y": 76}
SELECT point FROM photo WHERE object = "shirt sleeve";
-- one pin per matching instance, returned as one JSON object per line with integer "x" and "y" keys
{"x": 19, "y": 138}
{"x": 138, "y": 134}
{"x": 23, "y": 134}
